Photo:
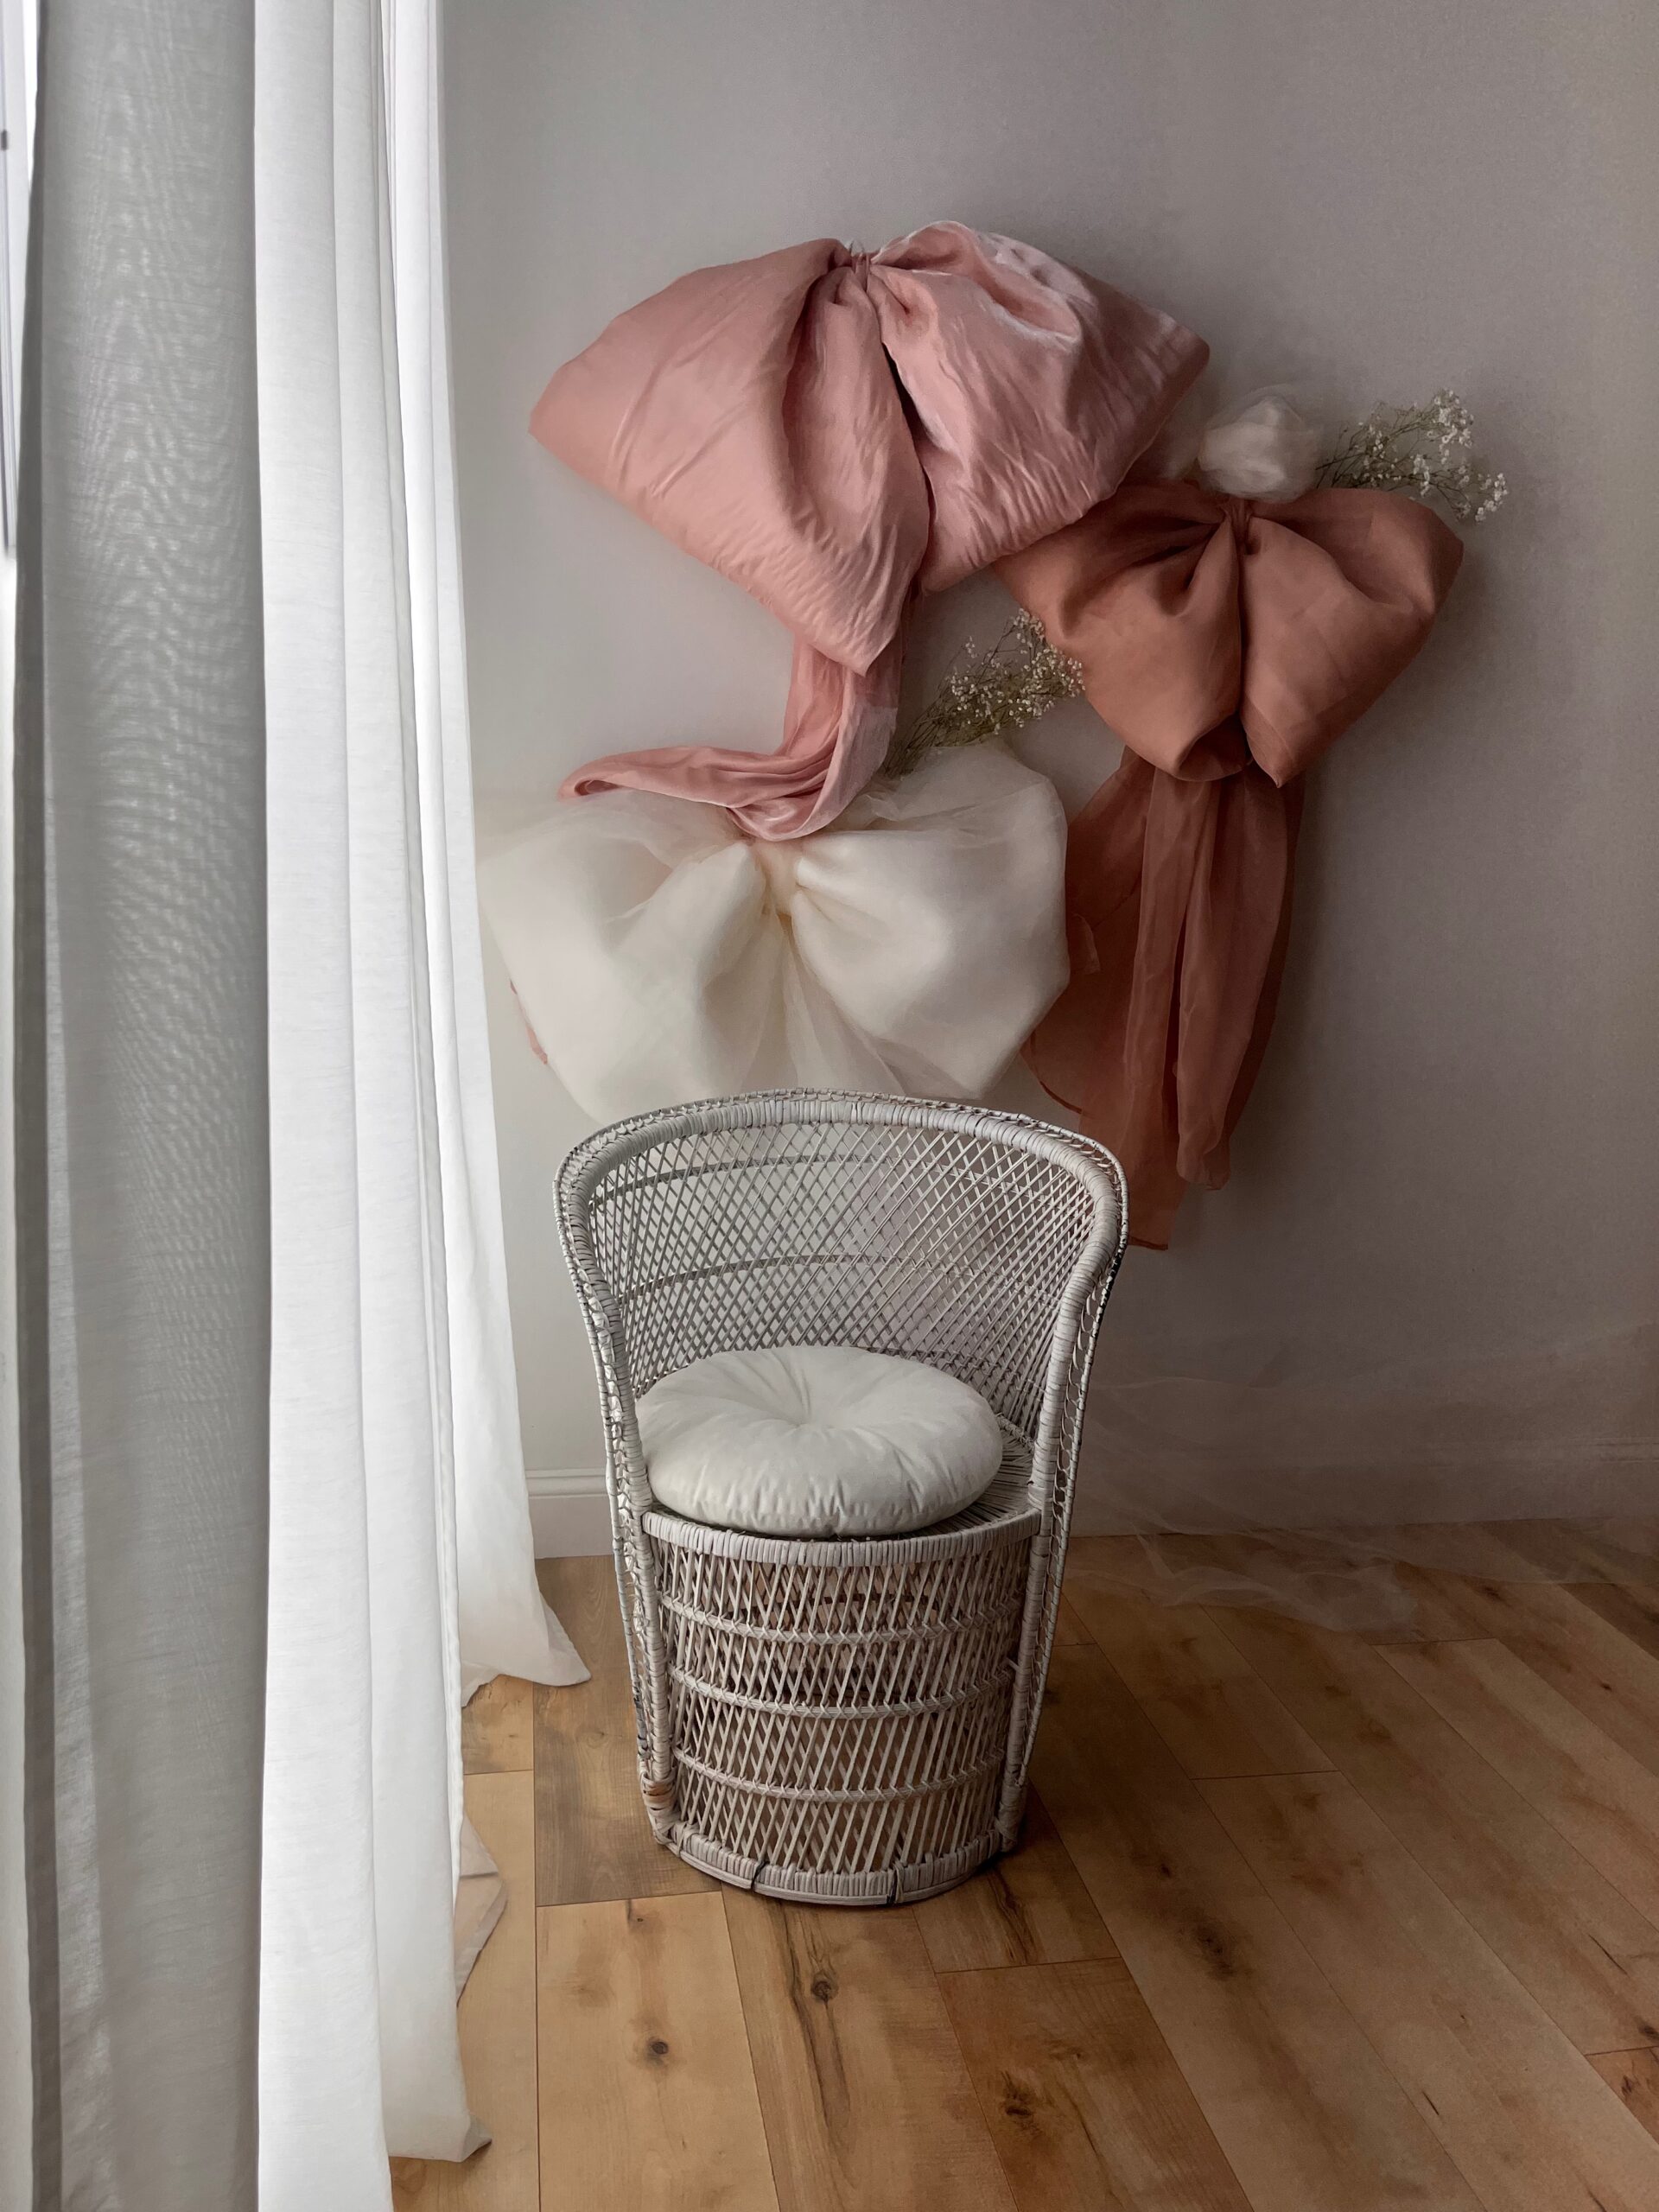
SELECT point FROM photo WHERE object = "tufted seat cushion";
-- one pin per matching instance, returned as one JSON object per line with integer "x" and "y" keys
{"x": 816, "y": 1440}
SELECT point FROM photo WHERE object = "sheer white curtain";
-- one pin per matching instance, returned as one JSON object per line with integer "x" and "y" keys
{"x": 273, "y": 1518}
{"x": 16, "y": 2149}
{"x": 401, "y": 1556}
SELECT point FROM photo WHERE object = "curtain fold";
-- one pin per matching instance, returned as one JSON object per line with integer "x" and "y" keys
{"x": 273, "y": 1511}
{"x": 320, "y": 2079}
{"x": 401, "y": 1543}
{"x": 16, "y": 2084}
{"x": 142, "y": 1171}
{"x": 504, "y": 1626}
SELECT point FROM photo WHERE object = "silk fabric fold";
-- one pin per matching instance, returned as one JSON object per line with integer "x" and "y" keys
{"x": 1228, "y": 643}
{"x": 834, "y": 429}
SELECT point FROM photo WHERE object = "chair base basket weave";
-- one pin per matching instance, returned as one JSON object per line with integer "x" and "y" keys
{"x": 846, "y": 1721}
{"x": 840, "y": 1712}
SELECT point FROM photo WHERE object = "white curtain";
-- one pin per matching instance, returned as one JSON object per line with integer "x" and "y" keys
{"x": 16, "y": 2146}
{"x": 400, "y": 1546}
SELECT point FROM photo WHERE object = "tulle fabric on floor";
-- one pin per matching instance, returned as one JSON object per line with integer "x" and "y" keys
{"x": 1303, "y": 1487}
{"x": 1375, "y": 1581}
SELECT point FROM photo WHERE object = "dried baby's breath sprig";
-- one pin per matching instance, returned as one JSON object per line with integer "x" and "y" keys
{"x": 989, "y": 694}
{"x": 1421, "y": 451}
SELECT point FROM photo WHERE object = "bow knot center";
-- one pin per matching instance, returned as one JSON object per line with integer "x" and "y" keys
{"x": 779, "y": 862}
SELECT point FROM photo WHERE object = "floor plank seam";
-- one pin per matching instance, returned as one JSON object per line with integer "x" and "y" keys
{"x": 767, "y": 2129}
{"x": 1384, "y": 1643}
{"x": 1380, "y": 1803}
{"x": 1260, "y": 1774}
{"x": 1543, "y": 1811}
{"x": 1025, "y": 1966}
{"x": 1116, "y": 1927}
{"x": 987, "y": 2120}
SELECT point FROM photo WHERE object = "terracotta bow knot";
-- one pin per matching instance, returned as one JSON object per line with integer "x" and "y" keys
{"x": 1228, "y": 642}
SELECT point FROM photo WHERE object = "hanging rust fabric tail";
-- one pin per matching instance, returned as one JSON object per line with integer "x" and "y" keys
{"x": 1228, "y": 643}
{"x": 1178, "y": 908}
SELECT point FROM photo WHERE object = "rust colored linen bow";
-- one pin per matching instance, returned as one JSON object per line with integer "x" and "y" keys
{"x": 1228, "y": 642}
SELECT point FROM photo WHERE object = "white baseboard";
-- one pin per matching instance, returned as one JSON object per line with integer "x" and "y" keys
{"x": 570, "y": 1514}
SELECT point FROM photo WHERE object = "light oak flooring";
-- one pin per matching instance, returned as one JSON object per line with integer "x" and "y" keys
{"x": 1302, "y": 1922}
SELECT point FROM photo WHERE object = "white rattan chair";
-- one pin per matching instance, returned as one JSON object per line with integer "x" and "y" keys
{"x": 849, "y": 1722}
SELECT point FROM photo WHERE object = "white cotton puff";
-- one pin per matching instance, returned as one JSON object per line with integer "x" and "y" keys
{"x": 1261, "y": 448}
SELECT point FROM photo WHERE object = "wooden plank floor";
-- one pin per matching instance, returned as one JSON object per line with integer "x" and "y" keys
{"x": 1303, "y": 1922}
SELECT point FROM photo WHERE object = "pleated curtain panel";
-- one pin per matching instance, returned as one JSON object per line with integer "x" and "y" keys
{"x": 271, "y": 1515}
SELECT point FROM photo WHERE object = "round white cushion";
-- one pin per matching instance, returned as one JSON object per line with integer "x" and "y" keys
{"x": 816, "y": 1440}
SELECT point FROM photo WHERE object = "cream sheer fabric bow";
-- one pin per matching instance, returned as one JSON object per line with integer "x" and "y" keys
{"x": 660, "y": 955}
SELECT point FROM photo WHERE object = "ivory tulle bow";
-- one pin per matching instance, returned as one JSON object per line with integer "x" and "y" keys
{"x": 1228, "y": 642}
{"x": 830, "y": 429}
{"x": 659, "y": 954}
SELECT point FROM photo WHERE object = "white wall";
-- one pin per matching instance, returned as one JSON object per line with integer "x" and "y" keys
{"x": 1433, "y": 1268}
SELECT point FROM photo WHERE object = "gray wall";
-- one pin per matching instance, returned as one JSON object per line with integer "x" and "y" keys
{"x": 1432, "y": 1284}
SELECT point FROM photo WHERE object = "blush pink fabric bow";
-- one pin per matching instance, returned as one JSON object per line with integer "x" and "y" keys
{"x": 1228, "y": 642}
{"x": 831, "y": 429}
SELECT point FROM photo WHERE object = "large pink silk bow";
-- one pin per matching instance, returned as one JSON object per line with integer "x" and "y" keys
{"x": 831, "y": 429}
{"x": 1228, "y": 643}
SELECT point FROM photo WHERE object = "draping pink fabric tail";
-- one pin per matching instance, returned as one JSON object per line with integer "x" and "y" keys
{"x": 1228, "y": 643}
{"x": 838, "y": 726}
{"x": 835, "y": 431}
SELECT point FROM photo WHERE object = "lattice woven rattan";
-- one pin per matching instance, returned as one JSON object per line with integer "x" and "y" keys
{"x": 848, "y": 1722}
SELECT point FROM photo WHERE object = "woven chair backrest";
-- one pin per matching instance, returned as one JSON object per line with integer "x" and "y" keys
{"x": 944, "y": 1234}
